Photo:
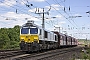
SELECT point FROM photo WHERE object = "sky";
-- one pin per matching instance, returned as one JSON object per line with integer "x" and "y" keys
{"x": 70, "y": 15}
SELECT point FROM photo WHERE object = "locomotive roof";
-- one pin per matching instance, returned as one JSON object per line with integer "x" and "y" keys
{"x": 28, "y": 25}
{"x": 58, "y": 33}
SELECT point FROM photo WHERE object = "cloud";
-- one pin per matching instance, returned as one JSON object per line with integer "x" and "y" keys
{"x": 36, "y": 0}
{"x": 54, "y": 7}
{"x": 7, "y": 3}
{"x": 25, "y": 1}
{"x": 56, "y": 26}
{"x": 62, "y": 22}
{"x": 36, "y": 10}
{"x": 60, "y": 17}
{"x": 77, "y": 14}
{"x": 10, "y": 19}
{"x": 32, "y": 10}
{"x": 13, "y": 15}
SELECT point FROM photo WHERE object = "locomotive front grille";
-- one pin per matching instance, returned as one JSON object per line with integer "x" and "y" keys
{"x": 29, "y": 38}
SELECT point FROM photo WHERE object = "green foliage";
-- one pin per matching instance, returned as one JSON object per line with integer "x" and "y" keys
{"x": 86, "y": 56}
{"x": 9, "y": 37}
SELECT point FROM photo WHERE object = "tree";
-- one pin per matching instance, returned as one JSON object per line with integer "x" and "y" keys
{"x": 9, "y": 37}
{"x": 4, "y": 39}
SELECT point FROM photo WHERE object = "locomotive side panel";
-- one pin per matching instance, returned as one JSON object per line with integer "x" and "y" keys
{"x": 67, "y": 40}
{"x": 72, "y": 41}
{"x": 61, "y": 40}
{"x": 64, "y": 38}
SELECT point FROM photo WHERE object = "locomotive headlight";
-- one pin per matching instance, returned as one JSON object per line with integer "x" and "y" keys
{"x": 35, "y": 38}
{"x": 22, "y": 39}
{"x": 25, "y": 41}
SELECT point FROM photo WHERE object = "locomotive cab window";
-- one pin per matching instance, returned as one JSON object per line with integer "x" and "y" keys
{"x": 33, "y": 31}
{"x": 55, "y": 38}
{"x": 40, "y": 32}
{"x": 45, "y": 34}
{"x": 24, "y": 30}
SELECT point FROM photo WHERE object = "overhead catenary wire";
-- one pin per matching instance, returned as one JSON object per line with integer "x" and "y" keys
{"x": 38, "y": 11}
{"x": 65, "y": 17}
{"x": 65, "y": 11}
{"x": 19, "y": 10}
{"x": 71, "y": 14}
{"x": 60, "y": 13}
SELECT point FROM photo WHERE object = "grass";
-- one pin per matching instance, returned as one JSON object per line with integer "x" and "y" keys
{"x": 83, "y": 55}
{"x": 86, "y": 55}
{"x": 84, "y": 42}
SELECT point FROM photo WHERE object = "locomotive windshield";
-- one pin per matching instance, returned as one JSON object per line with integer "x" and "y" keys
{"x": 24, "y": 31}
{"x": 33, "y": 31}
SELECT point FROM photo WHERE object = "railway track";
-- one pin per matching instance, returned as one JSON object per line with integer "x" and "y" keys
{"x": 45, "y": 55}
{"x": 19, "y": 55}
{"x": 9, "y": 50}
{"x": 9, "y": 53}
{"x": 67, "y": 51}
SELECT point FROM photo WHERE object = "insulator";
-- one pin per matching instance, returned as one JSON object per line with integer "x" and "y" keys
{"x": 27, "y": 5}
{"x": 64, "y": 8}
{"x": 16, "y": 10}
{"x": 69, "y": 8}
{"x": 16, "y": 1}
{"x": 68, "y": 25}
{"x": 38, "y": 9}
{"x": 48, "y": 13}
{"x": 31, "y": 4}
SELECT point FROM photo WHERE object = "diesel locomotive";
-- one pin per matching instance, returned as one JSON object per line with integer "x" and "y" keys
{"x": 35, "y": 38}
